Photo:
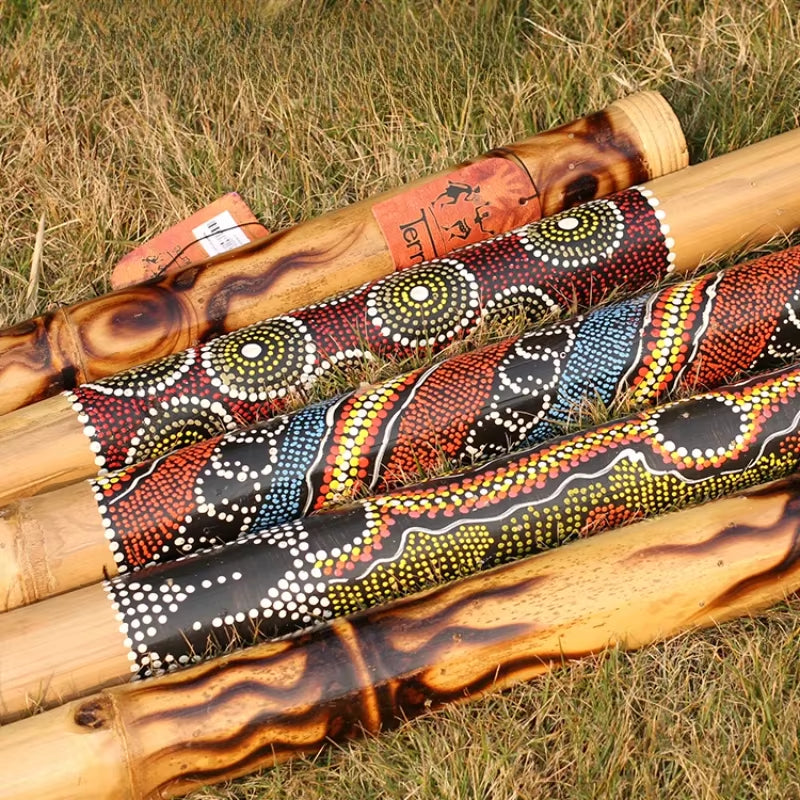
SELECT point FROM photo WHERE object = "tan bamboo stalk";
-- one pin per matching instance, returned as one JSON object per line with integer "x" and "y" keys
{"x": 635, "y": 139}
{"x": 631, "y": 587}
{"x": 719, "y": 206}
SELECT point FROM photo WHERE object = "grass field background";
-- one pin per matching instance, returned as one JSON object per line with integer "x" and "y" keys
{"x": 118, "y": 119}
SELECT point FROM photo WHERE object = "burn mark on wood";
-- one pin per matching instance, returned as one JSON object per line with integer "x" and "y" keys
{"x": 96, "y": 713}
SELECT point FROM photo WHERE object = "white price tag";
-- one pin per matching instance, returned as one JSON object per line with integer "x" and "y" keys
{"x": 220, "y": 234}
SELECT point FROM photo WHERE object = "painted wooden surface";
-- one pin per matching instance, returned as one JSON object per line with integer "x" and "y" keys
{"x": 518, "y": 392}
{"x": 275, "y": 581}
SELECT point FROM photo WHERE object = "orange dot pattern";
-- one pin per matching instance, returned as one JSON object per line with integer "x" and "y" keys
{"x": 756, "y": 324}
{"x": 358, "y": 430}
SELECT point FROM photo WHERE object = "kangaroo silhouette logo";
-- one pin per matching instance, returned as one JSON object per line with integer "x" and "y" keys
{"x": 458, "y": 210}
{"x": 474, "y": 203}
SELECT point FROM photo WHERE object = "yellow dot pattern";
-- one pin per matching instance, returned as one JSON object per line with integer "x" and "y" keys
{"x": 674, "y": 315}
{"x": 425, "y": 560}
{"x": 357, "y": 432}
{"x": 577, "y": 486}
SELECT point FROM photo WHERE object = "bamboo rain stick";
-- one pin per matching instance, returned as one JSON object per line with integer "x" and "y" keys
{"x": 635, "y": 139}
{"x": 273, "y": 582}
{"x": 369, "y": 673}
{"x": 742, "y": 197}
{"x": 698, "y": 333}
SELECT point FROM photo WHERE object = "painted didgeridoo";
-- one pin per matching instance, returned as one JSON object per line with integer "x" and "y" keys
{"x": 519, "y": 392}
{"x": 372, "y": 671}
{"x": 289, "y": 577}
{"x": 635, "y": 139}
{"x": 573, "y": 258}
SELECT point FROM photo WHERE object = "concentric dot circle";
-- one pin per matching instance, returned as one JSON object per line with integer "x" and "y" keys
{"x": 426, "y": 304}
{"x": 149, "y": 379}
{"x": 530, "y": 302}
{"x": 712, "y": 426}
{"x": 174, "y": 426}
{"x": 262, "y": 361}
{"x": 578, "y": 237}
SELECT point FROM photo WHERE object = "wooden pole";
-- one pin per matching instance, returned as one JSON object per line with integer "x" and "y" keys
{"x": 635, "y": 139}
{"x": 368, "y": 673}
{"x": 522, "y": 391}
{"x": 243, "y": 377}
{"x": 273, "y": 582}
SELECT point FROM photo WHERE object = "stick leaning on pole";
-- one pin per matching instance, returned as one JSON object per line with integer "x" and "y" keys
{"x": 636, "y": 138}
{"x": 518, "y": 392}
{"x": 628, "y": 240}
{"x": 275, "y": 581}
{"x": 368, "y": 673}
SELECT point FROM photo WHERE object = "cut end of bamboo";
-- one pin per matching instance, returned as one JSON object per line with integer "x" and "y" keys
{"x": 663, "y": 144}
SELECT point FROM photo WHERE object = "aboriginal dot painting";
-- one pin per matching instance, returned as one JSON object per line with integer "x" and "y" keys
{"x": 518, "y": 392}
{"x": 248, "y": 375}
{"x": 270, "y": 583}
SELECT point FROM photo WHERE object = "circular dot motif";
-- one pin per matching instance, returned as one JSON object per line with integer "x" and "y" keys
{"x": 720, "y": 429}
{"x": 262, "y": 361}
{"x": 577, "y": 237}
{"x": 149, "y": 379}
{"x": 426, "y": 305}
{"x": 174, "y": 426}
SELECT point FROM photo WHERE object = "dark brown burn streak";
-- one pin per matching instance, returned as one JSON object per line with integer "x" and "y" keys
{"x": 596, "y": 134}
{"x": 789, "y": 522}
{"x": 260, "y": 284}
{"x": 788, "y": 492}
{"x": 353, "y": 682}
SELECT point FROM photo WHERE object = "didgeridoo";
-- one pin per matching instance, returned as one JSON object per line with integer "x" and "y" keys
{"x": 635, "y": 139}
{"x": 368, "y": 673}
{"x": 628, "y": 240}
{"x": 274, "y": 582}
{"x": 699, "y": 333}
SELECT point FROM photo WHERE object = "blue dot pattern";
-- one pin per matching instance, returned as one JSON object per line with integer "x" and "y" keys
{"x": 287, "y": 495}
{"x": 591, "y": 371}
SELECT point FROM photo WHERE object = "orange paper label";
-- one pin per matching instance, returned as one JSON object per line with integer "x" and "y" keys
{"x": 224, "y": 225}
{"x": 468, "y": 205}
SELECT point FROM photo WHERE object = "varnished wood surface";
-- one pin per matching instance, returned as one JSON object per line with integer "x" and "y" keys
{"x": 630, "y": 587}
{"x": 50, "y": 544}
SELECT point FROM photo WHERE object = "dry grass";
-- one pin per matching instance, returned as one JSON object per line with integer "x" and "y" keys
{"x": 117, "y": 119}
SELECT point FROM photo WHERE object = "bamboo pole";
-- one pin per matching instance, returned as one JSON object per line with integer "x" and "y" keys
{"x": 368, "y": 673}
{"x": 273, "y": 582}
{"x": 634, "y": 139}
{"x": 674, "y": 224}
{"x": 522, "y": 391}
